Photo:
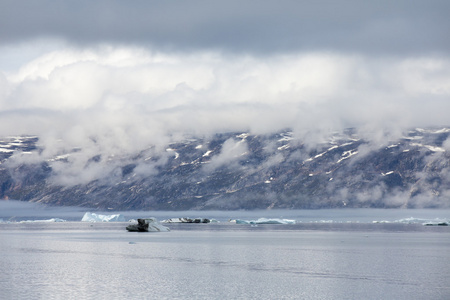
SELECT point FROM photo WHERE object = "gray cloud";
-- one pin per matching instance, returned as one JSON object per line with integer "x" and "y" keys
{"x": 381, "y": 27}
{"x": 134, "y": 96}
{"x": 115, "y": 77}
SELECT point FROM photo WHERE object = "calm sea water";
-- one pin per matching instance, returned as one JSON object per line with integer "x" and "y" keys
{"x": 340, "y": 259}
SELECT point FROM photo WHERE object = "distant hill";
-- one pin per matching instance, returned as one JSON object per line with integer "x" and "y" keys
{"x": 238, "y": 171}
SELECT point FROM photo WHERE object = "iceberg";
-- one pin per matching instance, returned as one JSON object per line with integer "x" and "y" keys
{"x": 44, "y": 221}
{"x": 188, "y": 220}
{"x": 93, "y": 217}
{"x": 146, "y": 225}
{"x": 412, "y": 220}
{"x": 437, "y": 222}
{"x": 264, "y": 221}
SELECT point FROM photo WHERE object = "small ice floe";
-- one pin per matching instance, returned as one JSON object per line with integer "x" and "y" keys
{"x": 263, "y": 221}
{"x": 52, "y": 220}
{"x": 412, "y": 220}
{"x": 188, "y": 220}
{"x": 93, "y": 217}
{"x": 436, "y": 222}
{"x": 147, "y": 225}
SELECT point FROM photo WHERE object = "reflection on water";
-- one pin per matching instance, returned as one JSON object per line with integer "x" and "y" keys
{"x": 213, "y": 261}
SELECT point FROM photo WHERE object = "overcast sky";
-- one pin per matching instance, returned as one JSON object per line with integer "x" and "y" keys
{"x": 128, "y": 74}
{"x": 402, "y": 27}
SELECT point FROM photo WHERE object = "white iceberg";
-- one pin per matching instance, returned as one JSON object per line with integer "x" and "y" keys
{"x": 189, "y": 220}
{"x": 265, "y": 221}
{"x": 93, "y": 217}
{"x": 423, "y": 221}
{"x": 44, "y": 221}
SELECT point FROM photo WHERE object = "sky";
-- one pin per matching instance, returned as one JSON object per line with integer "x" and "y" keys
{"x": 118, "y": 76}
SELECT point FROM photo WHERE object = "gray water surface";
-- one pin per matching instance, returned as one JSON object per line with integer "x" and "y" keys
{"x": 75, "y": 260}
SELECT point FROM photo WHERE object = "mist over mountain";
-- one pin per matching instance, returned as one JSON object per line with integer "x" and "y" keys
{"x": 237, "y": 170}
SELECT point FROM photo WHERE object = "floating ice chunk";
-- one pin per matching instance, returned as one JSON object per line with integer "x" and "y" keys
{"x": 44, "y": 221}
{"x": 437, "y": 222}
{"x": 188, "y": 220}
{"x": 93, "y": 217}
{"x": 145, "y": 225}
{"x": 412, "y": 220}
{"x": 264, "y": 221}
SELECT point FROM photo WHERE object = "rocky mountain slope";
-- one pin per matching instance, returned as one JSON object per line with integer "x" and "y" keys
{"x": 238, "y": 171}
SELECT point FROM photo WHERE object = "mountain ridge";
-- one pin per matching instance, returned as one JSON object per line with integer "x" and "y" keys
{"x": 237, "y": 170}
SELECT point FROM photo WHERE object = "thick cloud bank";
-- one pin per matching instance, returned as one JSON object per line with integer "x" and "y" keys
{"x": 128, "y": 98}
{"x": 108, "y": 101}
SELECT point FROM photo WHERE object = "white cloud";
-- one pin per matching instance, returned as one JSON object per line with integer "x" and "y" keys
{"x": 232, "y": 152}
{"x": 115, "y": 100}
